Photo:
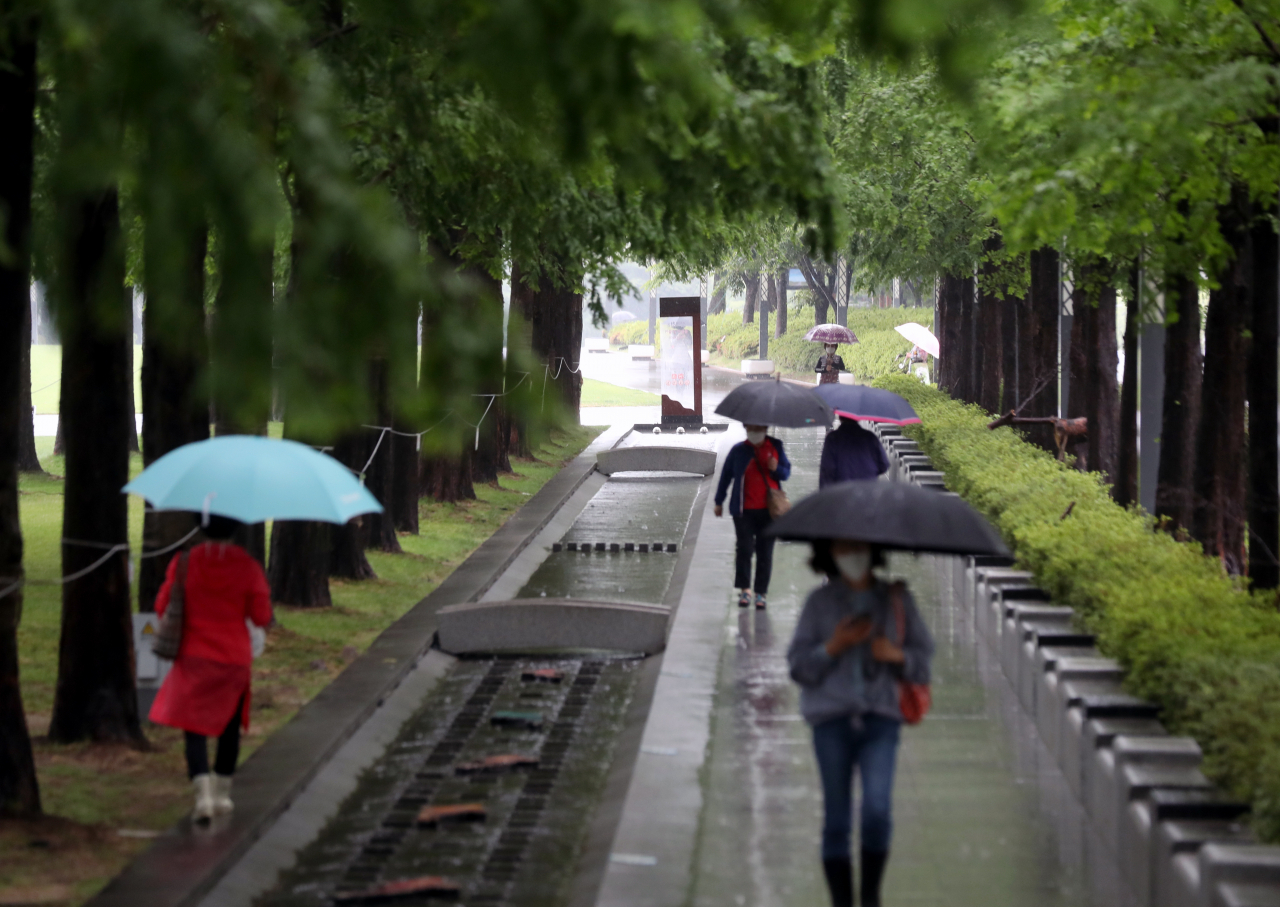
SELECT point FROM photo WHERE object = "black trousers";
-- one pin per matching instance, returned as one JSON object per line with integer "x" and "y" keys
{"x": 228, "y": 749}
{"x": 748, "y": 526}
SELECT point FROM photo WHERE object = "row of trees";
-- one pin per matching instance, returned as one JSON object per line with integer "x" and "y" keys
{"x": 293, "y": 186}
{"x": 1095, "y": 156}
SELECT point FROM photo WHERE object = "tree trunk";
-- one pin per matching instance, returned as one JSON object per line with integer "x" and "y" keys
{"x": 28, "y": 461}
{"x": 299, "y": 571}
{"x": 554, "y": 316}
{"x": 404, "y": 477}
{"x": 720, "y": 296}
{"x": 241, "y": 338}
{"x": 1102, "y": 405}
{"x": 778, "y": 301}
{"x": 1182, "y": 379}
{"x": 752, "y": 281}
{"x": 1012, "y": 314}
{"x": 988, "y": 355}
{"x": 1264, "y": 463}
{"x": 380, "y": 476}
{"x": 174, "y": 353}
{"x": 949, "y": 335}
{"x": 1038, "y": 350}
{"x": 1125, "y": 490}
{"x": 95, "y": 695}
{"x": 131, "y": 422}
{"x": 19, "y": 787}
{"x": 1218, "y": 513}
{"x": 347, "y": 559}
{"x": 491, "y": 458}
{"x": 448, "y": 479}
{"x": 966, "y": 316}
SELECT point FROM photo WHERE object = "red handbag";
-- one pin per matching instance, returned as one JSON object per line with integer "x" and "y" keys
{"x": 914, "y": 699}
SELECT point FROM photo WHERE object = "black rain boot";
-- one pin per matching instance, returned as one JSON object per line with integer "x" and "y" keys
{"x": 839, "y": 881}
{"x": 872, "y": 872}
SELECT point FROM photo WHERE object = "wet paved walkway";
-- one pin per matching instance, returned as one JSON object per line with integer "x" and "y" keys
{"x": 982, "y": 814}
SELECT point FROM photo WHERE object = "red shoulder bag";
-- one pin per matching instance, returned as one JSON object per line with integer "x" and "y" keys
{"x": 914, "y": 699}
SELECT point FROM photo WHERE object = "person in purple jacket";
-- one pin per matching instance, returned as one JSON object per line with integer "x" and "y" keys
{"x": 851, "y": 452}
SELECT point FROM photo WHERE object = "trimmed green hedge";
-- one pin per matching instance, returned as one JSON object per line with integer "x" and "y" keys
{"x": 876, "y": 353}
{"x": 1191, "y": 639}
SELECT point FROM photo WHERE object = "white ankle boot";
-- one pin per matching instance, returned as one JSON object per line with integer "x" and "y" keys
{"x": 222, "y": 795}
{"x": 204, "y": 808}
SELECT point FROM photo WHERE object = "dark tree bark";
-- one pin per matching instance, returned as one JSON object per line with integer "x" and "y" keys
{"x": 778, "y": 301}
{"x": 448, "y": 479}
{"x": 59, "y": 446}
{"x": 752, "y": 281}
{"x": 1102, "y": 405}
{"x": 346, "y": 555}
{"x": 720, "y": 297}
{"x": 404, "y": 477}
{"x": 491, "y": 458}
{"x": 966, "y": 373}
{"x": 1038, "y": 347}
{"x": 174, "y": 354}
{"x": 1012, "y": 314}
{"x": 950, "y": 333}
{"x": 95, "y": 696}
{"x": 299, "y": 570}
{"x": 1125, "y": 490}
{"x": 554, "y": 316}
{"x": 987, "y": 352}
{"x": 1182, "y": 380}
{"x": 28, "y": 461}
{"x": 380, "y": 476}
{"x": 1218, "y": 511}
{"x": 240, "y": 332}
{"x": 19, "y": 788}
{"x": 1264, "y": 463}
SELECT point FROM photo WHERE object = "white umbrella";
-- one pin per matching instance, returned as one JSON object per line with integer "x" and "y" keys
{"x": 921, "y": 336}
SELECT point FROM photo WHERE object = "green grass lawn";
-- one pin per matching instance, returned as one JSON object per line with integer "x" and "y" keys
{"x": 46, "y": 377}
{"x": 601, "y": 393}
{"x": 90, "y": 791}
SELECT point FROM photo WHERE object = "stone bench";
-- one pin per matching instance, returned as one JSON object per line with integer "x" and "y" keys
{"x": 653, "y": 458}
{"x": 539, "y": 624}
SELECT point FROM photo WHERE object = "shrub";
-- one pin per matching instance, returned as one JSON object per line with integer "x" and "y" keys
{"x": 1191, "y": 639}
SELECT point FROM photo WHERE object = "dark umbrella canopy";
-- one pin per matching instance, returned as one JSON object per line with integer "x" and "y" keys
{"x": 871, "y": 404}
{"x": 775, "y": 403}
{"x": 893, "y": 515}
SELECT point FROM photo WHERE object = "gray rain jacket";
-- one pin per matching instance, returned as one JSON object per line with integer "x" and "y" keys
{"x": 854, "y": 683}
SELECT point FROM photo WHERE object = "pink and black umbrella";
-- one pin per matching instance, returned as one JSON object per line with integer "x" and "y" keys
{"x": 831, "y": 333}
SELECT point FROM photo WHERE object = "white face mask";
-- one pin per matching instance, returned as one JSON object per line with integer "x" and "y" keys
{"x": 853, "y": 565}
{"x": 756, "y": 437}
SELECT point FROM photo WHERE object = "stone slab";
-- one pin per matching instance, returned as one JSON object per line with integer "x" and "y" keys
{"x": 1183, "y": 837}
{"x": 757, "y": 366}
{"x": 653, "y": 458}
{"x": 535, "y": 624}
{"x": 1238, "y": 875}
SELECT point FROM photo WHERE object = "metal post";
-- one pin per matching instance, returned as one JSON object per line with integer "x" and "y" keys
{"x": 762, "y": 309}
{"x": 1150, "y": 397}
{"x": 653, "y": 315}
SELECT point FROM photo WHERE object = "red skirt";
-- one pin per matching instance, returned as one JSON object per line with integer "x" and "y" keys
{"x": 200, "y": 695}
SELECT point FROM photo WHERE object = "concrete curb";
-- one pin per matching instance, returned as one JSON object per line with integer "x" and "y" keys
{"x": 185, "y": 863}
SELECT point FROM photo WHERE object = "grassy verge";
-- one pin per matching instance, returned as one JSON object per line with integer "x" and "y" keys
{"x": 104, "y": 802}
{"x": 601, "y": 393}
{"x": 1191, "y": 638}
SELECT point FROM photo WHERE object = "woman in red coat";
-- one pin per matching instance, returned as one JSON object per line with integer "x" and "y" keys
{"x": 207, "y": 691}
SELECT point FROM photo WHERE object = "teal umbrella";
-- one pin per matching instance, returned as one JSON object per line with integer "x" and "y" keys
{"x": 253, "y": 479}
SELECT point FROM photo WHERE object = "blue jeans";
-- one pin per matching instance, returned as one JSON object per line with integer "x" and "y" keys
{"x": 874, "y": 751}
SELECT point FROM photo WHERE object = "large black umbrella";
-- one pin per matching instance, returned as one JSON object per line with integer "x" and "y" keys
{"x": 871, "y": 404}
{"x": 893, "y": 515}
{"x": 775, "y": 403}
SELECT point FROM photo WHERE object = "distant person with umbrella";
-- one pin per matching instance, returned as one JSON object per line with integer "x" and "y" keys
{"x": 830, "y": 365}
{"x": 206, "y": 693}
{"x": 756, "y": 467}
{"x": 861, "y": 653}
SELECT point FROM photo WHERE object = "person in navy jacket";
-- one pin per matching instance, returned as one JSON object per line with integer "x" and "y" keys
{"x": 753, "y": 466}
